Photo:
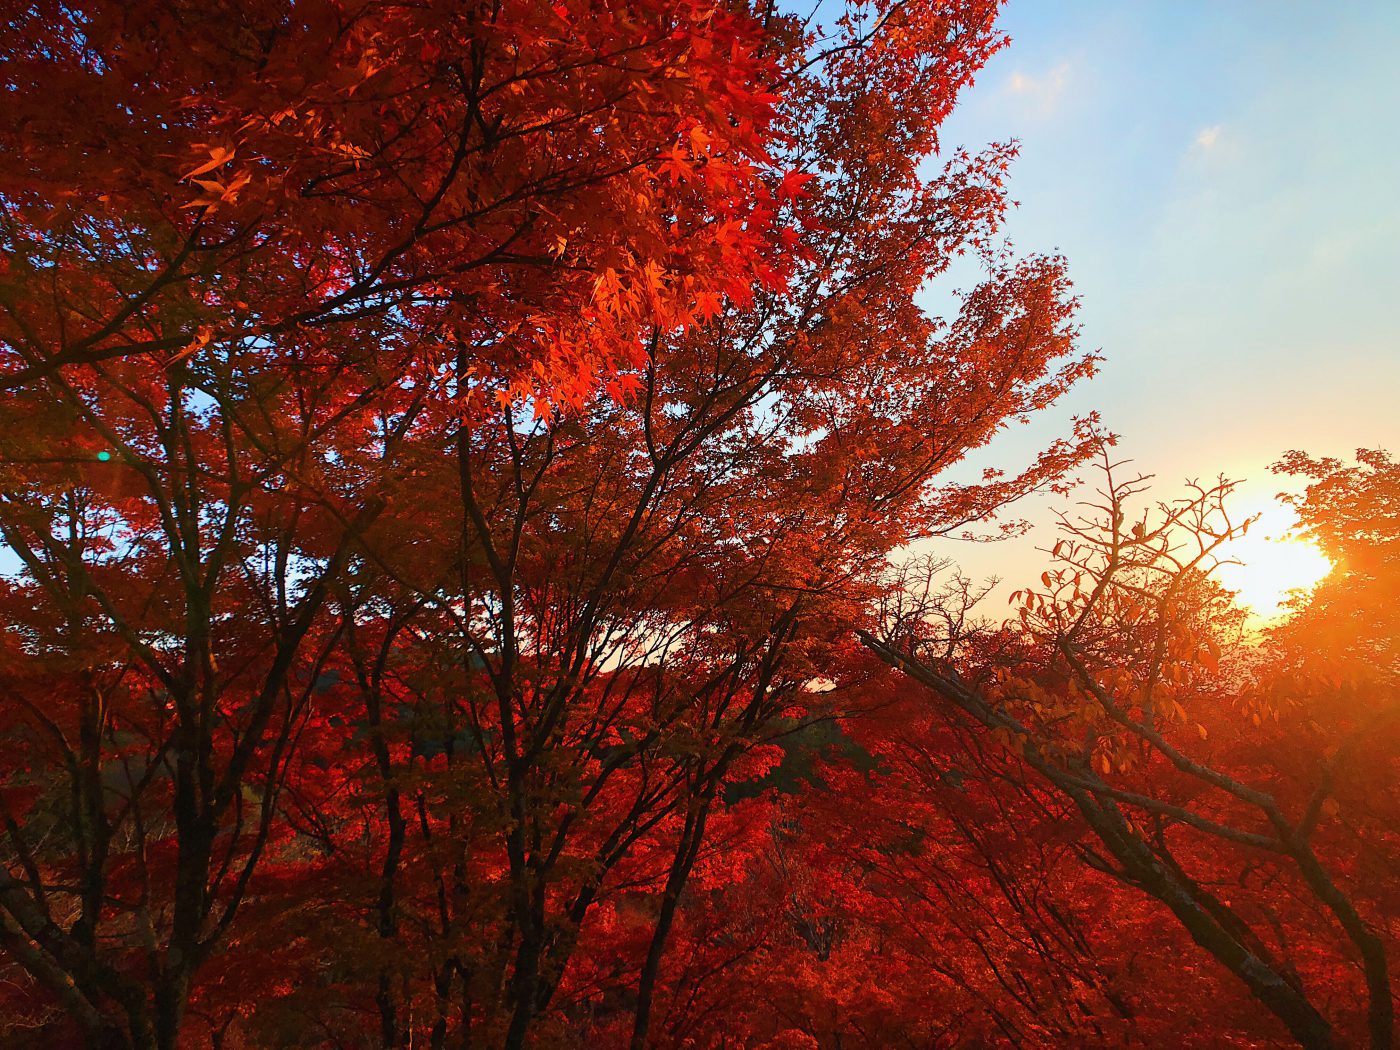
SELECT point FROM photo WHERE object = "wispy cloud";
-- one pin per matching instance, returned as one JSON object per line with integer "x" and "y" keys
{"x": 1043, "y": 90}
{"x": 1208, "y": 137}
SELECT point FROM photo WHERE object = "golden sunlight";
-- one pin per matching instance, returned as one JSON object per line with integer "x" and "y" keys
{"x": 1272, "y": 563}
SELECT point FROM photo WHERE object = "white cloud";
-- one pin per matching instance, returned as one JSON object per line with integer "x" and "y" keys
{"x": 1043, "y": 90}
{"x": 1208, "y": 137}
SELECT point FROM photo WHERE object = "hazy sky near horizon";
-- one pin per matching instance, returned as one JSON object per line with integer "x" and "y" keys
{"x": 1223, "y": 180}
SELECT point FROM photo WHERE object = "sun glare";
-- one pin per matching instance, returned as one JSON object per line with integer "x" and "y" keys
{"x": 1272, "y": 563}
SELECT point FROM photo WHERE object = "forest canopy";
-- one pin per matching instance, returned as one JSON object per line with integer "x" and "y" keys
{"x": 463, "y": 468}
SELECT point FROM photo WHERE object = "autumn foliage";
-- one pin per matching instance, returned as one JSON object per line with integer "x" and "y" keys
{"x": 457, "y": 469}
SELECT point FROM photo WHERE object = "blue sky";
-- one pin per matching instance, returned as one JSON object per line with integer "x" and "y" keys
{"x": 1223, "y": 179}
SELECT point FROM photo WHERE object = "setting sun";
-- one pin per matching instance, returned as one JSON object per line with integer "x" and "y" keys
{"x": 1271, "y": 563}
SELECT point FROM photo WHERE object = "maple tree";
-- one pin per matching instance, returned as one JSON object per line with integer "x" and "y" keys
{"x": 1347, "y": 624}
{"x": 190, "y": 174}
{"x": 399, "y": 423}
{"x": 1213, "y": 789}
{"x": 623, "y": 611}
